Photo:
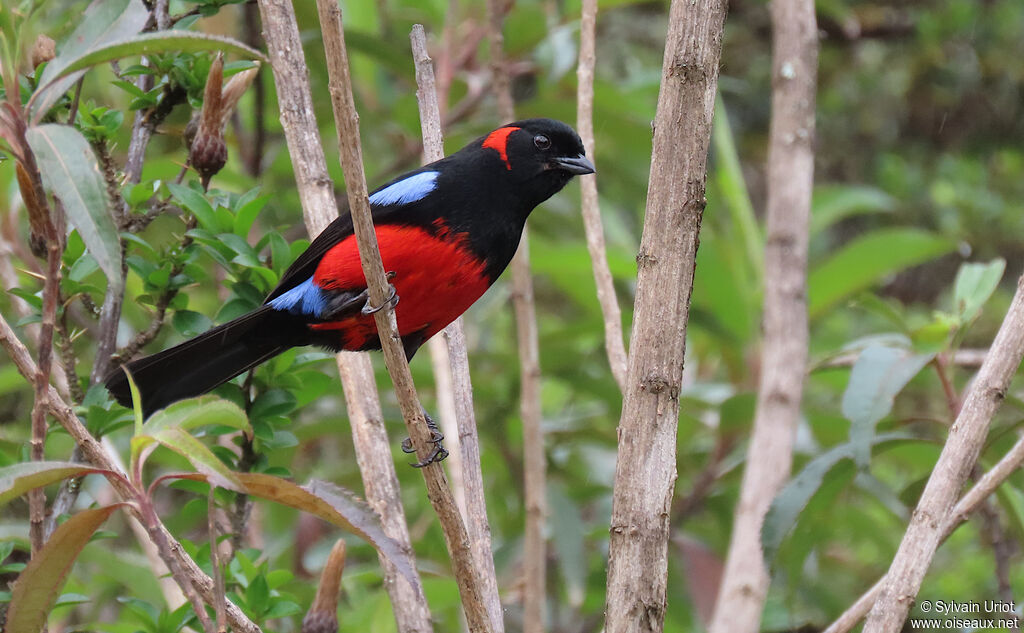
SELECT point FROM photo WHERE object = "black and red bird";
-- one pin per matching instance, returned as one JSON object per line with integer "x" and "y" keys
{"x": 445, "y": 231}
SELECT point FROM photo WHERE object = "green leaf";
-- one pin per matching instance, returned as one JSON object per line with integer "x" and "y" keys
{"x": 795, "y": 495}
{"x": 191, "y": 323}
{"x": 201, "y": 457}
{"x": 196, "y": 412}
{"x": 17, "y": 479}
{"x": 975, "y": 283}
{"x": 145, "y": 44}
{"x": 103, "y": 22}
{"x": 70, "y": 172}
{"x": 257, "y": 595}
{"x": 196, "y": 203}
{"x": 868, "y": 259}
{"x": 39, "y": 584}
{"x": 832, "y": 203}
{"x": 879, "y": 374}
{"x": 734, "y": 190}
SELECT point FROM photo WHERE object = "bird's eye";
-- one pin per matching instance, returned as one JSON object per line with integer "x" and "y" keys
{"x": 542, "y": 142}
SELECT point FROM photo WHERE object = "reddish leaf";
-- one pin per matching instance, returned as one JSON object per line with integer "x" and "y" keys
{"x": 17, "y": 479}
{"x": 40, "y": 583}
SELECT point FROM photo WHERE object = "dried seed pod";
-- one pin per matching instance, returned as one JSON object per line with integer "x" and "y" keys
{"x": 322, "y": 616}
{"x": 43, "y": 50}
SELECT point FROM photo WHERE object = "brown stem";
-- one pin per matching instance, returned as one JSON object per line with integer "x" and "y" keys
{"x": 51, "y": 289}
{"x": 534, "y": 487}
{"x": 592, "y": 224}
{"x": 972, "y": 499}
{"x": 790, "y": 170}
{"x": 453, "y": 371}
{"x": 316, "y": 191}
{"x": 941, "y": 364}
{"x": 966, "y": 437}
{"x": 641, "y": 497}
{"x": 347, "y": 121}
{"x": 219, "y": 599}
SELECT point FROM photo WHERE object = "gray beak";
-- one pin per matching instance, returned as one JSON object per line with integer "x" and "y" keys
{"x": 579, "y": 165}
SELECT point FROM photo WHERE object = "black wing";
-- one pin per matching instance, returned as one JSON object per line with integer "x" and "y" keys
{"x": 305, "y": 264}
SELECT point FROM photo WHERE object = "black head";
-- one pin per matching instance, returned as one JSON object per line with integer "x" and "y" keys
{"x": 539, "y": 155}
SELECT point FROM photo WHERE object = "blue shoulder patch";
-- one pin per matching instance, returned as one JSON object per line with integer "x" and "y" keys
{"x": 411, "y": 189}
{"x": 306, "y": 298}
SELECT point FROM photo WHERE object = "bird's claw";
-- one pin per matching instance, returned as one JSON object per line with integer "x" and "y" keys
{"x": 390, "y": 302}
{"x": 436, "y": 438}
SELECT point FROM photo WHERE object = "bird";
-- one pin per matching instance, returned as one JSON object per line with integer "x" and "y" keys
{"x": 446, "y": 231}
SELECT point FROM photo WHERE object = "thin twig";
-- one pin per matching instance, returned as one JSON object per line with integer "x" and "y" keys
{"x": 790, "y": 170}
{"x": 455, "y": 366}
{"x": 966, "y": 437}
{"x": 467, "y": 576}
{"x": 219, "y": 599}
{"x": 645, "y": 470}
{"x": 592, "y": 224}
{"x": 316, "y": 191}
{"x": 534, "y": 488}
{"x": 972, "y": 499}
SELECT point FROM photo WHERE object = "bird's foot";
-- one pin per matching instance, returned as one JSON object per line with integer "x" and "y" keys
{"x": 439, "y": 452}
{"x": 390, "y": 302}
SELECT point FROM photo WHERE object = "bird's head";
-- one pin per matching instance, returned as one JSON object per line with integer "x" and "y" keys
{"x": 539, "y": 155}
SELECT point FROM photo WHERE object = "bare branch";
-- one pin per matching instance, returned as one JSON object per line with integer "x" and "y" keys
{"x": 453, "y": 368}
{"x": 966, "y": 437}
{"x": 983, "y": 489}
{"x": 467, "y": 575}
{"x": 316, "y": 191}
{"x": 784, "y": 351}
{"x": 645, "y": 472}
{"x": 592, "y": 224}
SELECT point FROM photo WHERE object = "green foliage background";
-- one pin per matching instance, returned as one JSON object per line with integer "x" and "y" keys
{"x": 919, "y": 168}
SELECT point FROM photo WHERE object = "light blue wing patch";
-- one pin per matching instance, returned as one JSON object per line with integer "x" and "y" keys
{"x": 306, "y": 298}
{"x": 411, "y": 189}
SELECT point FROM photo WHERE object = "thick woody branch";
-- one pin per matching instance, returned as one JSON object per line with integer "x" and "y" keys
{"x": 964, "y": 508}
{"x": 316, "y": 192}
{"x": 966, "y": 438}
{"x": 784, "y": 350}
{"x": 455, "y": 369}
{"x": 467, "y": 576}
{"x": 645, "y": 470}
{"x": 592, "y": 225}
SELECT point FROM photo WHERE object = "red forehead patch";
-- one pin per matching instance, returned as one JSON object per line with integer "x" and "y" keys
{"x": 498, "y": 141}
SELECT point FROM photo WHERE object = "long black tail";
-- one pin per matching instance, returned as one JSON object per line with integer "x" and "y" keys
{"x": 208, "y": 360}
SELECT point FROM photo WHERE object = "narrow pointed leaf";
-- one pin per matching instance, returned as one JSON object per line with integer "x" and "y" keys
{"x": 103, "y": 22}
{"x": 145, "y": 44}
{"x": 879, "y": 374}
{"x": 196, "y": 412}
{"x": 40, "y": 583}
{"x": 201, "y": 457}
{"x": 70, "y": 172}
{"x": 796, "y": 494}
{"x": 867, "y": 260}
{"x": 17, "y": 479}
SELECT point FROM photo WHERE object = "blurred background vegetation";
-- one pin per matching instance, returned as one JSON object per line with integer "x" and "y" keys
{"x": 920, "y": 168}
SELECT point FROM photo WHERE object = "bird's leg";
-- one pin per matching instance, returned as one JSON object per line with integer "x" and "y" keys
{"x": 344, "y": 304}
{"x": 436, "y": 438}
{"x": 390, "y": 302}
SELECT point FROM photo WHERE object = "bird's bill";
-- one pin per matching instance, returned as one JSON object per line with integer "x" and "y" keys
{"x": 578, "y": 165}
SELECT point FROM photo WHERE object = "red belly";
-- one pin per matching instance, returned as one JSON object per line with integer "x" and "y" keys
{"x": 437, "y": 279}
